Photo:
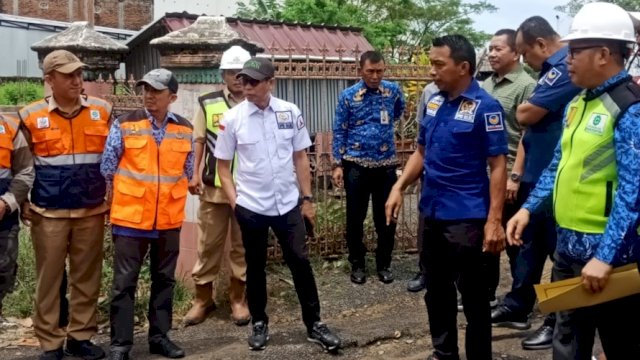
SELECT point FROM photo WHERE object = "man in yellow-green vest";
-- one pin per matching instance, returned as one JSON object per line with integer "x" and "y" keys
{"x": 594, "y": 184}
{"x": 216, "y": 221}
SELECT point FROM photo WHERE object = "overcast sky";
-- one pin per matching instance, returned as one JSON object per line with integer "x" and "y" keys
{"x": 511, "y": 13}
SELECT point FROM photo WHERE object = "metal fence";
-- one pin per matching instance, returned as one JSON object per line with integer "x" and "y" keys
{"x": 314, "y": 86}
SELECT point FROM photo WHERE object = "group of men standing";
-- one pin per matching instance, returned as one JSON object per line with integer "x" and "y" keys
{"x": 554, "y": 162}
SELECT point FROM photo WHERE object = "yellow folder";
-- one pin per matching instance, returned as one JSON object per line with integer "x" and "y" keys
{"x": 570, "y": 294}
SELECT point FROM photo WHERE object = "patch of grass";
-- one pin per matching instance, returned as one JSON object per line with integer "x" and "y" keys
{"x": 20, "y": 92}
{"x": 20, "y": 302}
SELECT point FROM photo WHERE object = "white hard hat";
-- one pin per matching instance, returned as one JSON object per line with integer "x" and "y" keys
{"x": 599, "y": 20}
{"x": 234, "y": 58}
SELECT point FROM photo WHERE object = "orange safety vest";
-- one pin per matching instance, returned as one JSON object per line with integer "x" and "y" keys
{"x": 67, "y": 154}
{"x": 149, "y": 187}
{"x": 8, "y": 132}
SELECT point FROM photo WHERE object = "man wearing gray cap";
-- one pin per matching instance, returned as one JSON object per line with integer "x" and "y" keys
{"x": 268, "y": 137}
{"x": 66, "y": 132}
{"x": 147, "y": 162}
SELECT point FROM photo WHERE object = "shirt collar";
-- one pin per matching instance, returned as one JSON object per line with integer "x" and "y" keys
{"x": 511, "y": 76}
{"x": 616, "y": 79}
{"x": 169, "y": 116}
{"x": 228, "y": 96}
{"x": 53, "y": 105}
{"x": 380, "y": 88}
{"x": 470, "y": 92}
{"x": 555, "y": 59}
{"x": 253, "y": 108}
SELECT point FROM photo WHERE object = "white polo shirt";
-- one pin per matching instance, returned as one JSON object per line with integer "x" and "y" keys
{"x": 264, "y": 141}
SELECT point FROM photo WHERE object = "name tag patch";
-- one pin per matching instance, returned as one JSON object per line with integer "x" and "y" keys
{"x": 434, "y": 104}
{"x": 596, "y": 124}
{"x": 2, "y": 130}
{"x": 493, "y": 121}
{"x": 95, "y": 115}
{"x": 42, "y": 122}
{"x": 284, "y": 119}
{"x": 467, "y": 110}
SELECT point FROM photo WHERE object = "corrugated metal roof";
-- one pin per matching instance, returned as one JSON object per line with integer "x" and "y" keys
{"x": 278, "y": 37}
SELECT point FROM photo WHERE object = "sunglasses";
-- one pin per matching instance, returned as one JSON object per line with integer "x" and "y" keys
{"x": 245, "y": 80}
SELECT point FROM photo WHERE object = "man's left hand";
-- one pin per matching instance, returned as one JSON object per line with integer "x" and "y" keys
{"x": 309, "y": 212}
{"x": 595, "y": 275}
{"x": 494, "y": 237}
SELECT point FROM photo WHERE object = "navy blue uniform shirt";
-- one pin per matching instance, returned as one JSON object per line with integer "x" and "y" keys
{"x": 458, "y": 137}
{"x": 553, "y": 92}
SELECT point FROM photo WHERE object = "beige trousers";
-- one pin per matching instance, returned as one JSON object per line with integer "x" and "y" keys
{"x": 81, "y": 239}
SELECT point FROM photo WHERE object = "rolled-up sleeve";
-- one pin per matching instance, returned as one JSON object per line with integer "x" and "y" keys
{"x": 496, "y": 135}
{"x": 226, "y": 144}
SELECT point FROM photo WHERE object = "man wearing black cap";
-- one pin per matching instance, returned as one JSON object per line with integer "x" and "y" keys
{"x": 147, "y": 163}
{"x": 269, "y": 137}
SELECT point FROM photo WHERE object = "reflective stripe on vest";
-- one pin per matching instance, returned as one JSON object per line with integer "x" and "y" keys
{"x": 214, "y": 106}
{"x": 150, "y": 189}
{"x": 67, "y": 154}
{"x": 8, "y": 132}
{"x": 586, "y": 179}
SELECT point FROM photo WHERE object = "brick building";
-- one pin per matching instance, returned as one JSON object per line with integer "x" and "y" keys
{"x": 122, "y": 14}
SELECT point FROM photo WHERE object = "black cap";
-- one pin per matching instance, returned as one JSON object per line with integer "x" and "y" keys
{"x": 160, "y": 79}
{"x": 257, "y": 68}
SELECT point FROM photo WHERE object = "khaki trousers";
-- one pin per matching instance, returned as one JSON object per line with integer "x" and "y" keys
{"x": 217, "y": 225}
{"x": 81, "y": 239}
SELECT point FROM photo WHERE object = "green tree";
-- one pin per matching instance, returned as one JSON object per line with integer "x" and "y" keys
{"x": 385, "y": 23}
{"x": 572, "y": 7}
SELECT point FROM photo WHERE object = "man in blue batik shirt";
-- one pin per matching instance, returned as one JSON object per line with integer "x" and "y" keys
{"x": 593, "y": 182}
{"x": 365, "y": 160}
{"x": 462, "y": 131}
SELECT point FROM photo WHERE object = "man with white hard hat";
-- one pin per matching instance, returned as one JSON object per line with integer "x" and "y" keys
{"x": 594, "y": 184}
{"x": 215, "y": 216}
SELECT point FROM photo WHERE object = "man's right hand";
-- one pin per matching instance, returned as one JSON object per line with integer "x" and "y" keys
{"x": 393, "y": 205}
{"x": 516, "y": 226}
{"x": 195, "y": 185}
{"x": 25, "y": 213}
{"x": 337, "y": 177}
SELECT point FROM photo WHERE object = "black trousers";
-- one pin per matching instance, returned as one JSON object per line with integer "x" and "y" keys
{"x": 616, "y": 321}
{"x": 539, "y": 243}
{"x": 360, "y": 184}
{"x": 129, "y": 254}
{"x": 8, "y": 259}
{"x": 290, "y": 231}
{"x": 452, "y": 254}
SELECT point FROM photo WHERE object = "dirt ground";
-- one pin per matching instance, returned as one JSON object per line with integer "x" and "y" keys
{"x": 376, "y": 321}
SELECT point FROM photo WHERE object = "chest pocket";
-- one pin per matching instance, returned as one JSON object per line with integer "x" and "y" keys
{"x": 284, "y": 144}
{"x": 463, "y": 138}
{"x": 137, "y": 152}
{"x": 6, "y": 147}
{"x": 95, "y": 137}
{"x": 180, "y": 149}
{"x": 248, "y": 147}
{"x": 47, "y": 142}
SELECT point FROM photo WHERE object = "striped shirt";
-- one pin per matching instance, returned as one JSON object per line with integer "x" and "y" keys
{"x": 511, "y": 90}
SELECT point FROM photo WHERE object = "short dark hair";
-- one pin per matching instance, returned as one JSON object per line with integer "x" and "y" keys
{"x": 536, "y": 27}
{"x": 460, "y": 48}
{"x": 618, "y": 49}
{"x": 511, "y": 37}
{"x": 374, "y": 57}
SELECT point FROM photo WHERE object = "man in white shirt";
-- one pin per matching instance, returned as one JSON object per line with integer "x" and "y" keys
{"x": 269, "y": 138}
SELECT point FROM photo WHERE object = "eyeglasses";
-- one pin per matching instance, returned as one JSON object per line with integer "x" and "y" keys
{"x": 577, "y": 49}
{"x": 245, "y": 80}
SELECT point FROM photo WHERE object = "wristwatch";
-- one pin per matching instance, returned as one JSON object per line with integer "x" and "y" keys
{"x": 515, "y": 177}
{"x": 308, "y": 198}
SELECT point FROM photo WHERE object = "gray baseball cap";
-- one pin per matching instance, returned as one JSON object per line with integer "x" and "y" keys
{"x": 160, "y": 79}
{"x": 257, "y": 68}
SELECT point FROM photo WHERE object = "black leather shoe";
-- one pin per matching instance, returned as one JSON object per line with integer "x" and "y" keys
{"x": 166, "y": 348}
{"x": 259, "y": 337}
{"x": 540, "y": 339}
{"x": 118, "y": 355}
{"x": 386, "y": 276}
{"x": 417, "y": 283}
{"x": 320, "y": 334}
{"x": 56, "y": 354}
{"x": 358, "y": 276}
{"x": 84, "y": 349}
{"x": 502, "y": 316}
